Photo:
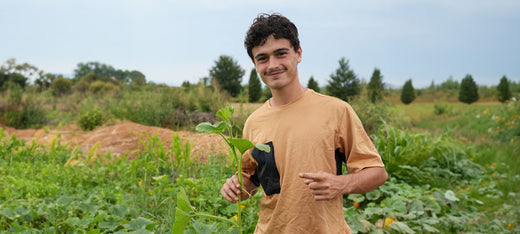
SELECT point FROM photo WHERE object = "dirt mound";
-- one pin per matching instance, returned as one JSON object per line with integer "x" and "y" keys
{"x": 121, "y": 138}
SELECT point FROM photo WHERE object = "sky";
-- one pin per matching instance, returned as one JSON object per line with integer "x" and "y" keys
{"x": 172, "y": 41}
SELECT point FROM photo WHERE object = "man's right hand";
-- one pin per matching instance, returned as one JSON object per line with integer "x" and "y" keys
{"x": 231, "y": 189}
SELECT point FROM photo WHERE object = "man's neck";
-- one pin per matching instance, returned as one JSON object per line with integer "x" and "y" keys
{"x": 286, "y": 95}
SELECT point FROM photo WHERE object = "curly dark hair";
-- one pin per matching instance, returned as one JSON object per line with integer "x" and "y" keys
{"x": 266, "y": 25}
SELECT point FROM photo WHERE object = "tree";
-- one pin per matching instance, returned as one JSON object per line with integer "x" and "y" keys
{"x": 343, "y": 84}
{"x": 313, "y": 84}
{"x": 105, "y": 72}
{"x": 228, "y": 74}
{"x": 255, "y": 87}
{"x": 468, "y": 90}
{"x": 375, "y": 86}
{"x": 503, "y": 91}
{"x": 408, "y": 92}
{"x": 449, "y": 84}
{"x": 60, "y": 86}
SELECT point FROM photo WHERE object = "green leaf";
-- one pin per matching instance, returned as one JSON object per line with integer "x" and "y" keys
{"x": 139, "y": 223}
{"x": 429, "y": 228}
{"x": 373, "y": 195}
{"x": 450, "y": 195}
{"x": 356, "y": 197}
{"x": 226, "y": 112}
{"x": 209, "y": 128}
{"x": 183, "y": 202}
{"x": 241, "y": 144}
{"x": 401, "y": 227}
{"x": 263, "y": 147}
{"x": 181, "y": 221}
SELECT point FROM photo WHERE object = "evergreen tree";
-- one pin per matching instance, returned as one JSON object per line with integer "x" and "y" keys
{"x": 255, "y": 87}
{"x": 468, "y": 90}
{"x": 313, "y": 84}
{"x": 375, "y": 86}
{"x": 343, "y": 84}
{"x": 228, "y": 74}
{"x": 503, "y": 91}
{"x": 408, "y": 92}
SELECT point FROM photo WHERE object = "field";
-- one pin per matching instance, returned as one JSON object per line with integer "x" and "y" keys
{"x": 453, "y": 168}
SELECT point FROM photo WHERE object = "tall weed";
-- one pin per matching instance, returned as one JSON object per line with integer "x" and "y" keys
{"x": 421, "y": 158}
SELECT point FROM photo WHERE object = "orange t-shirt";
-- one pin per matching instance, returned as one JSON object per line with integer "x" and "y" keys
{"x": 313, "y": 133}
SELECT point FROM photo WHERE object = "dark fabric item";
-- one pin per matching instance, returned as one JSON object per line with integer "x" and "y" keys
{"x": 266, "y": 172}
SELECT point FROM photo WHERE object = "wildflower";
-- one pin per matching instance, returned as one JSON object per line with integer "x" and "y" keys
{"x": 509, "y": 225}
{"x": 236, "y": 217}
{"x": 242, "y": 206}
{"x": 494, "y": 164}
{"x": 140, "y": 183}
{"x": 471, "y": 159}
{"x": 486, "y": 111}
{"x": 388, "y": 221}
{"x": 257, "y": 213}
{"x": 356, "y": 204}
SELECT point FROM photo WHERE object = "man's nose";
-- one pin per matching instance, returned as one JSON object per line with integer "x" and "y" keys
{"x": 273, "y": 63}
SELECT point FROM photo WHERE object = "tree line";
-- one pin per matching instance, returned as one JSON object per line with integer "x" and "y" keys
{"x": 346, "y": 85}
{"x": 226, "y": 75}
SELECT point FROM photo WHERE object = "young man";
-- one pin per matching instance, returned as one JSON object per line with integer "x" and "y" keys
{"x": 310, "y": 136}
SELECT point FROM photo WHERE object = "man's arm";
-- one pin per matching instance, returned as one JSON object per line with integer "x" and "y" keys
{"x": 231, "y": 189}
{"x": 326, "y": 186}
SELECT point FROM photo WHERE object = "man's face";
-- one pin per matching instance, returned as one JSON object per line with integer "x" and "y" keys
{"x": 276, "y": 62}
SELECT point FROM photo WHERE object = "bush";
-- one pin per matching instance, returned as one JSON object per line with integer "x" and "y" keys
{"x": 91, "y": 119}
{"x": 440, "y": 109}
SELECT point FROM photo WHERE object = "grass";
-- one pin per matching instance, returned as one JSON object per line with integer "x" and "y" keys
{"x": 449, "y": 172}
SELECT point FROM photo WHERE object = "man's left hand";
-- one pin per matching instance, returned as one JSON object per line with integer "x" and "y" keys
{"x": 324, "y": 186}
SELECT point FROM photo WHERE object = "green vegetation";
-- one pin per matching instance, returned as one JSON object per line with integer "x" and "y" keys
{"x": 503, "y": 91}
{"x": 375, "y": 87}
{"x": 254, "y": 87}
{"x": 408, "y": 93}
{"x": 344, "y": 83}
{"x": 313, "y": 84}
{"x": 453, "y": 167}
{"x": 468, "y": 90}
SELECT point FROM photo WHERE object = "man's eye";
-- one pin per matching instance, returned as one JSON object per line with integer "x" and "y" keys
{"x": 282, "y": 53}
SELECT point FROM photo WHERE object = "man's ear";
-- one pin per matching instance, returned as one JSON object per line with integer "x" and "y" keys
{"x": 299, "y": 54}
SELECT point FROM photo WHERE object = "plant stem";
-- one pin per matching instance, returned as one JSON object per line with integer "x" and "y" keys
{"x": 215, "y": 217}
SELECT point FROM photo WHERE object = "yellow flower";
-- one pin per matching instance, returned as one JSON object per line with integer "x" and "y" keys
{"x": 486, "y": 111}
{"x": 236, "y": 217}
{"x": 494, "y": 164}
{"x": 388, "y": 221}
{"x": 140, "y": 183}
{"x": 509, "y": 225}
{"x": 257, "y": 213}
{"x": 356, "y": 204}
{"x": 242, "y": 206}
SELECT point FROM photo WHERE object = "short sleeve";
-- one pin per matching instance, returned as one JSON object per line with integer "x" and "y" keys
{"x": 354, "y": 142}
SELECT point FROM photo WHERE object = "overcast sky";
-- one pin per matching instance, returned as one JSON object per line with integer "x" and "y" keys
{"x": 174, "y": 41}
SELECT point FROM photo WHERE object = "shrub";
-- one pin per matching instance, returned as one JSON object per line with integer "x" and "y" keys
{"x": 440, "y": 109}
{"x": 91, "y": 119}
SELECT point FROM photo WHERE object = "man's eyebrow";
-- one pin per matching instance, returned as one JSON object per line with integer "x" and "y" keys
{"x": 275, "y": 51}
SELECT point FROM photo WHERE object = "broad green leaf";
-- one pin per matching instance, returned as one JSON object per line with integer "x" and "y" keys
{"x": 356, "y": 197}
{"x": 183, "y": 202}
{"x": 209, "y": 128}
{"x": 181, "y": 221}
{"x": 263, "y": 147}
{"x": 139, "y": 223}
{"x": 373, "y": 195}
{"x": 241, "y": 144}
{"x": 226, "y": 112}
{"x": 429, "y": 228}
{"x": 401, "y": 227}
{"x": 450, "y": 195}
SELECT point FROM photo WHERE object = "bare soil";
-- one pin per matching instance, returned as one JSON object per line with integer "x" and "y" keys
{"x": 120, "y": 139}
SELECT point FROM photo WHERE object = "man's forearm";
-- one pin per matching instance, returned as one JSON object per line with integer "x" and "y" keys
{"x": 365, "y": 180}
